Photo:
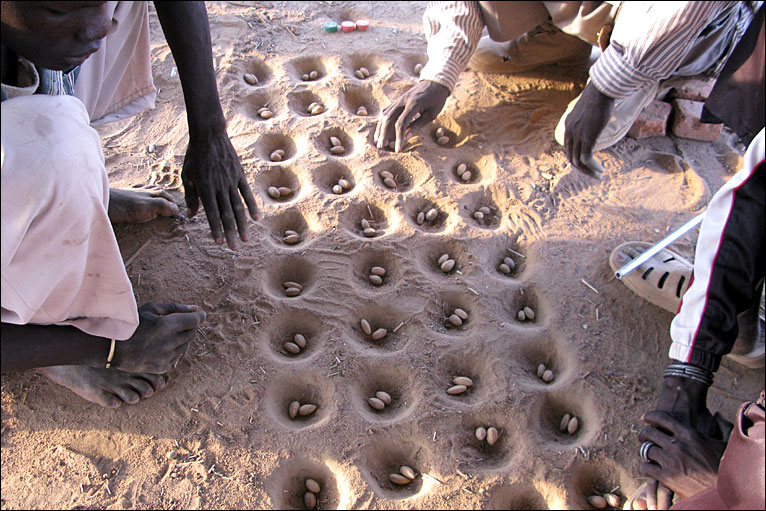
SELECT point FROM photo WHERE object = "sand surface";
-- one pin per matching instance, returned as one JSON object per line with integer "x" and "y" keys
{"x": 224, "y": 414}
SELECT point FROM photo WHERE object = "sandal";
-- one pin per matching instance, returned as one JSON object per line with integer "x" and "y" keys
{"x": 662, "y": 280}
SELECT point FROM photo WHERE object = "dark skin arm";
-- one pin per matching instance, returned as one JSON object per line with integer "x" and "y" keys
{"x": 212, "y": 173}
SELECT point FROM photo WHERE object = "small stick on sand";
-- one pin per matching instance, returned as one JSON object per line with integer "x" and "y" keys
{"x": 370, "y": 212}
{"x": 432, "y": 477}
{"x": 135, "y": 254}
{"x": 472, "y": 290}
{"x": 400, "y": 325}
{"x": 589, "y": 286}
{"x": 512, "y": 251}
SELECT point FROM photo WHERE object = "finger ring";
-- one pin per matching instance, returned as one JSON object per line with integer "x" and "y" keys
{"x": 644, "y": 450}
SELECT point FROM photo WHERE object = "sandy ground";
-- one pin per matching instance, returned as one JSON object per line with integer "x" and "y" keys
{"x": 224, "y": 415}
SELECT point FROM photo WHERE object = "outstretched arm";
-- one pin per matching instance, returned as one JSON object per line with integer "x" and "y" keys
{"x": 211, "y": 172}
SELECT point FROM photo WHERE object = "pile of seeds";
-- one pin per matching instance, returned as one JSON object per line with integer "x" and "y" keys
{"x": 315, "y": 108}
{"x": 377, "y": 334}
{"x": 441, "y": 136}
{"x": 428, "y": 215}
{"x": 313, "y": 75}
{"x": 457, "y": 318}
{"x": 507, "y": 266}
{"x": 544, "y": 373}
{"x": 460, "y": 385}
{"x": 296, "y": 346}
{"x": 310, "y": 497}
{"x": 292, "y": 288}
{"x": 343, "y": 185}
{"x": 569, "y": 424}
{"x": 446, "y": 263}
{"x": 604, "y": 501}
{"x": 376, "y": 275}
{"x": 463, "y": 173}
{"x": 278, "y": 155}
{"x": 489, "y": 434}
{"x": 278, "y": 192}
{"x": 362, "y": 73}
{"x": 367, "y": 228}
{"x": 526, "y": 314}
{"x": 483, "y": 212}
{"x": 380, "y": 401}
{"x": 335, "y": 146}
{"x": 362, "y": 110}
{"x": 265, "y": 113}
{"x": 290, "y": 237}
{"x": 388, "y": 179}
{"x": 417, "y": 69}
{"x": 304, "y": 410}
{"x": 405, "y": 476}
{"x": 251, "y": 78}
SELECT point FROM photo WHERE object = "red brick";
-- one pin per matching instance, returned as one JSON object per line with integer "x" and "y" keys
{"x": 652, "y": 121}
{"x": 686, "y": 121}
{"x": 694, "y": 89}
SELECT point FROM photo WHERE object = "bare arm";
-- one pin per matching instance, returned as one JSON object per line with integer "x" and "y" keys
{"x": 28, "y": 346}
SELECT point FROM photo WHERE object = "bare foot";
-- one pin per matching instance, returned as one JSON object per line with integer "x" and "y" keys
{"x": 135, "y": 207}
{"x": 109, "y": 388}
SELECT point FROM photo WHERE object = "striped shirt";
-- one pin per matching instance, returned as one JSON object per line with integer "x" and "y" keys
{"x": 649, "y": 42}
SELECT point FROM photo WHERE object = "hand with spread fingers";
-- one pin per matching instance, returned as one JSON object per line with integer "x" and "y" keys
{"x": 583, "y": 125}
{"x": 417, "y": 107}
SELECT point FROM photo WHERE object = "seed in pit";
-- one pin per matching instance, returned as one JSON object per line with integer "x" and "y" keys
{"x": 456, "y": 389}
{"x": 305, "y": 77}
{"x": 564, "y": 422}
{"x": 314, "y": 75}
{"x": 529, "y": 313}
{"x": 370, "y": 232}
{"x": 547, "y": 376}
{"x": 597, "y": 501}
{"x": 338, "y": 149}
{"x": 573, "y": 426}
{"x": 376, "y": 403}
{"x": 290, "y": 283}
{"x": 379, "y": 334}
{"x": 460, "y": 169}
{"x": 399, "y": 479}
{"x": 418, "y": 68}
{"x": 284, "y": 191}
{"x": 366, "y": 326}
{"x": 274, "y": 192}
{"x": 359, "y": 74}
{"x": 510, "y": 262}
{"x": 386, "y": 175}
{"x": 485, "y": 210}
{"x": 420, "y": 218}
{"x": 307, "y": 409}
{"x": 344, "y": 183}
{"x": 439, "y": 132}
{"x": 365, "y": 223}
{"x": 455, "y": 320}
{"x": 251, "y": 78}
{"x": 442, "y": 140}
{"x": 504, "y": 268}
{"x": 466, "y": 176}
{"x": 432, "y": 214}
{"x": 443, "y": 258}
{"x": 462, "y": 380}
{"x": 384, "y": 396}
{"x": 362, "y": 111}
{"x": 313, "y": 486}
{"x": 480, "y": 434}
{"x": 478, "y": 215}
{"x": 521, "y": 315}
{"x": 265, "y": 113}
{"x": 300, "y": 340}
{"x": 292, "y": 291}
{"x": 376, "y": 279}
{"x": 335, "y": 141}
{"x": 365, "y": 71}
{"x": 291, "y": 239}
{"x": 389, "y": 182}
{"x": 492, "y": 436}
{"x": 407, "y": 472}
{"x": 612, "y": 500}
{"x": 378, "y": 270}
{"x": 337, "y": 189}
{"x": 292, "y": 410}
{"x": 447, "y": 265}
{"x": 276, "y": 156}
{"x": 293, "y": 348}
{"x": 541, "y": 370}
{"x": 316, "y": 110}
{"x": 290, "y": 232}
{"x": 309, "y": 500}
{"x": 461, "y": 314}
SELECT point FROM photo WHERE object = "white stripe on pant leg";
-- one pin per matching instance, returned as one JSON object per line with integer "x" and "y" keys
{"x": 685, "y": 326}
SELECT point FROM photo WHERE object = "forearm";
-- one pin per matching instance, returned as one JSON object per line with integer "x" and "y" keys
{"x": 187, "y": 32}
{"x": 28, "y": 346}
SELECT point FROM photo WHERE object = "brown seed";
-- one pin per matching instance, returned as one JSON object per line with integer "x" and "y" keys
{"x": 564, "y": 422}
{"x": 442, "y": 258}
{"x": 460, "y": 169}
{"x": 292, "y": 291}
{"x": 309, "y": 500}
{"x": 338, "y": 149}
{"x": 376, "y": 403}
{"x": 612, "y": 500}
{"x": 275, "y": 156}
{"x": 420, "y": 218}
{"x": 365, "y": 71}
{"x": 307, "y": 409}
{"x": 366, "y": 326}
{"x": 290, "y": 283}
{"x": 521, "y": 315}
{"x": 386, "y": 175}
{"x": 431, "y": 214}
{"x": 597, "y": 501}
{"x": 292, "y": 239}
{"x": 300, "y": 340}
{"x": 362, "y": 111}
{"x": 337, "y": 189}
{"x": 389, "y": 182}
{"x": 456, "y": 389}
{"x": 529, "y": 313}
{"x": 313, "y": 486}
{"x": 442, "y": 140}
{"x": 378, "y": 270}
{"x": 365, "y": 223}
{"x": 399, "y": 479}
{"x": 480, "y": 434}
{"x": 359, "y": 74}
{"x": 439, "y": 132}
{"x": 541, "y": 370}
{"x": 418, "y": 68}
{"x": 284, "y": 191}
{"x": 466, "y": 176}
{"x": 293, "y": 348}
{"x": 344, "y": 183}
{"x": 510, "y": 262}
{"x": 314, "y": 75}
{"x": 292, "y": 410}
{"x": 335, "y": 141}
{"x": 370, "y": 232}
{"x": 407, "y": 472}
{"x": 573, "y": 426}
{"x": 547, "y": 376}
{"x": 379, "y": 334}
{"x": 305, "y": 77}
{"x": 316, "y": 110}
{"x": 462, "y": 314}
{"x": 478, "y": 215}
{"x": 492, "y": 436}
{"x": 448, "y": 265}
{"x": 504, "y": 268}
{"x": 266, "y": 114}
{"x": 311, "y": 105}
{"x": 273, "y": 192}
{"x": 384, "y": 396}
{"x": 376, "y": 279}
{"x": 281, "y": 152}
{"x": 462, "y": 380}
{"x": 485, "y": 210}
{"x": 251, "y": 78}
{"x": 455, "y": 320}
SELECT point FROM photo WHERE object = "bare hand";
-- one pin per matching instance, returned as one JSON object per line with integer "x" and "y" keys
{"x": 582, "y": 127}
{"x": 417, "y": 107}
{"x": 163, "y": 334}
{"x": 212, "y": 173}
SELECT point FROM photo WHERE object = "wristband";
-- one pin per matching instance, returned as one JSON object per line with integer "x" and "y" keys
{"x": 695, "y": 373}
{"x": 111, "y": 354}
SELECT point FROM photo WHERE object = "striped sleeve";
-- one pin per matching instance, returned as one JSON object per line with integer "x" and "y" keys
{"x": 649, "y": 42}
{"x": 453, "y": 30}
